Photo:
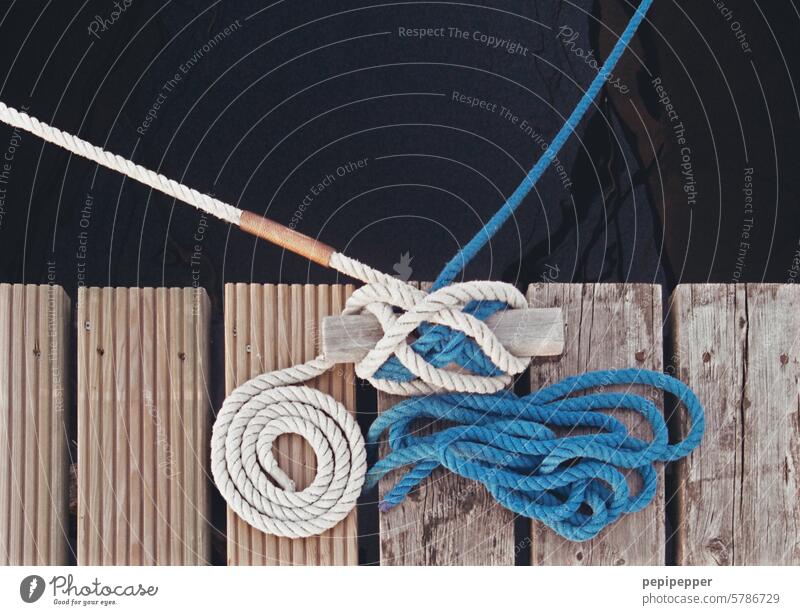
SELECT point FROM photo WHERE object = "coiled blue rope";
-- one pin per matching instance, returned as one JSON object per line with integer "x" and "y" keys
{"x": 526, "y": 451}
{"x": 523, "y": 449}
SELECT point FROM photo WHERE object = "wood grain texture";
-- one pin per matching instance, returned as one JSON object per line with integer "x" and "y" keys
{"x": 738, "y": 347}
{"x": 269, "y": 327}
{"x": 34, "y": 379}
{"x": 447, "y": 520}
{"x": 143, "y": 426}
{"x": 607, "y": 326}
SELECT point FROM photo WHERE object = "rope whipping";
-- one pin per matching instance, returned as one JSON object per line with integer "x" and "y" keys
{"x": 573, "y": 483}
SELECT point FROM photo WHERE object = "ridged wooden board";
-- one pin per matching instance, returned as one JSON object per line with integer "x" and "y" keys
{"x": 608, "y": 326}
{"x": 738, "y": 347}
{"x": 269, "y": 327}
{"x": 34, "y": 380}
{"x": 143, "y": 426}
{"x": 447, "y": 520}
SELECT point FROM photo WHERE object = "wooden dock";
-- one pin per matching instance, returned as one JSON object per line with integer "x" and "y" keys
{"x": 143, "y": 406}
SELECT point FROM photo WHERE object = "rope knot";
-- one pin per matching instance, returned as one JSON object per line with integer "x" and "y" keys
{"x": 252, "y": 417}
{"x": 439, "y": 341}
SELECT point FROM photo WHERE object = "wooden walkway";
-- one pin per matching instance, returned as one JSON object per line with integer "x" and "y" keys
{"x": 34, "y": 381}
{"x": 142, "y": 411}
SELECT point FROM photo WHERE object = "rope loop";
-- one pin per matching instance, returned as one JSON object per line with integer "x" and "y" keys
{"x": 553, "y": 456}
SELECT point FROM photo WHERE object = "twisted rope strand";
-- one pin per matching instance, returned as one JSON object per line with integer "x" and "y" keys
{"x": 496, "y": 222}
{"x": 445, "y": 309}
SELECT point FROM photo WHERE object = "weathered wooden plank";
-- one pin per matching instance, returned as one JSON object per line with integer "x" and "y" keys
{"x": 269, "y": 327}
{"x": 533, "y": 332}
{"x": 738, "y": 347}
{"x": 607, "y": 326}
{"x": 448, "y": 520}
{"x": 34, "y": 325}
{"x": 143, "y": 426}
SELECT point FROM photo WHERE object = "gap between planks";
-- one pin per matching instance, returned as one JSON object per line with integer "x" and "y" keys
{"x": 735, "y": 345}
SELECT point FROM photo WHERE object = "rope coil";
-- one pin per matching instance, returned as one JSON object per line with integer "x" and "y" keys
{"x": 252, "y": 417}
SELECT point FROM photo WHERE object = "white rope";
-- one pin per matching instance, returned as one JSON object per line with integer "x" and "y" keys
{"x": 252, "y": 417}
{"x": 82, "y": 148}
{"x": 256, "y": 413}
{"x": 267, "y": 406}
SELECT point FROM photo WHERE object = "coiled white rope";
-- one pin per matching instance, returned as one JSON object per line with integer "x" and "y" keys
{"x": 257, "y": 412}
{"x": 252, "y": 417}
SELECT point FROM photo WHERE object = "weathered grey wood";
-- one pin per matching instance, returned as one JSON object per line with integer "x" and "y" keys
{"x": 448, "y": 520}
{"x": 607, "y": 326}
{"x": 34, "y": 380}
{"x": 738, "y": 347}
{"x": 525, "y": 333}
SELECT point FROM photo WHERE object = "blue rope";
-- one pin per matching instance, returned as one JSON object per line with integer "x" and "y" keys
{"x": 533, "y": 453}
{"x": 468, "y": 252}
{"x": 525, "y": 450}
